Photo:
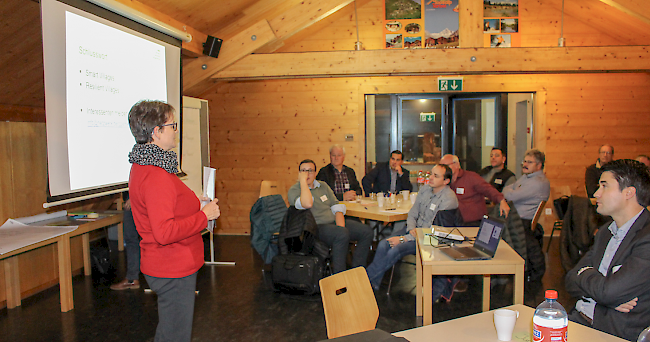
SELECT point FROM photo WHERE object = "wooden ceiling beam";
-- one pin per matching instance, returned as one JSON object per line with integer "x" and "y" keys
{"x": 273, "y": 32}
{"x": 193, "y": 48}
{"x": 639, "y": 9}
{"x": 436, "y": 61}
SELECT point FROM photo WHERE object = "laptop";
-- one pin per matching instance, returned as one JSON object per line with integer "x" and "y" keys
{"x": 485, "y": 245}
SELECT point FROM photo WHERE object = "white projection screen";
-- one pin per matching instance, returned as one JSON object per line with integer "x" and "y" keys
{"x": 97, "y": 65}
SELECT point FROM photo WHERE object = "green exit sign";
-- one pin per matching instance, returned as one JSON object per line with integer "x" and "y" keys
{"x": 450, "y": 84}
{"x": 424, "y": 117}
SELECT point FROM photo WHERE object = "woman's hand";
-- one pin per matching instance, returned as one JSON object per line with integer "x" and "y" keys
{"x": 211, "y": 210}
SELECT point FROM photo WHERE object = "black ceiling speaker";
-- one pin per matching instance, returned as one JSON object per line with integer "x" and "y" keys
{"x": 212, "y": 46}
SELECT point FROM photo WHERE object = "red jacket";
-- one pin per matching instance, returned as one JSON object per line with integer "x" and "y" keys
{"x": 471, "y": 199}
{"x": 169, "y": 219}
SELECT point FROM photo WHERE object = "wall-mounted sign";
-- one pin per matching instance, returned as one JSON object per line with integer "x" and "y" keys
{"x": 450, "y": 84}
{"x": 424, "y": 117}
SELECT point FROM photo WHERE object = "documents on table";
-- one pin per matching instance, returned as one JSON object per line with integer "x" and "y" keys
{"x": 15, "y": 234}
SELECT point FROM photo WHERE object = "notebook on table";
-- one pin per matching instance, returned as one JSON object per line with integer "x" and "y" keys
{"x": 485, "y": 245}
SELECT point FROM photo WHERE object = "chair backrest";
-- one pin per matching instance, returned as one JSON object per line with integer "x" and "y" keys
{"x": 272, "y": 188}
{"x": 560, "y": 191}
{"x": 538, "y": 213}
{"x": 349, "y": 303}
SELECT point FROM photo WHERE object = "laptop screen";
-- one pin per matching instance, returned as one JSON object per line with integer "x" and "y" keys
{"x": 487, "y": 239}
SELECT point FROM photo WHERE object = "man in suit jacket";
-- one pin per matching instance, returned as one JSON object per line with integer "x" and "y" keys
{"x": 612, "y": 280}
{"x": 388, "y": 177}
{"x": 341, "y": 179}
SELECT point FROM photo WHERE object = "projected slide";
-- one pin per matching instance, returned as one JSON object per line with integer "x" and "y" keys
{"x": 107, "y": 71}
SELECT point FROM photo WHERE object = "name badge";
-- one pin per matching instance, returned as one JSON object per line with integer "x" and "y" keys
{"x": 498, "y": 181}
{"x": 347, "y": 186}
{"x": 323, "y": 198}
{"x": 433, "y": 206}
{"x": 460, "y": 191}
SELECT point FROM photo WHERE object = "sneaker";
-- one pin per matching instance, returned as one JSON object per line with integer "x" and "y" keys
{"x": 126, "y": 285}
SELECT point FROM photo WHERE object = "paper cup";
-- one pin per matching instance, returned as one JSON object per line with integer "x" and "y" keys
{"x": 504, "y": 322}
{"x": 413, "y": 197}
{"x": 405, "y": 194}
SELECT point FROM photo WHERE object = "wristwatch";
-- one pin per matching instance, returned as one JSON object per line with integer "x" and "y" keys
{"x": 401, "y": 239}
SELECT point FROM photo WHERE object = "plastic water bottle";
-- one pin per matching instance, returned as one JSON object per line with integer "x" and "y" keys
{"x": 550, "y": 321}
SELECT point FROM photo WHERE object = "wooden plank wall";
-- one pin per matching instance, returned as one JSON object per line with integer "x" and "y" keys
{"x": 540, "y": 26}
{"x": 260, "y": 130}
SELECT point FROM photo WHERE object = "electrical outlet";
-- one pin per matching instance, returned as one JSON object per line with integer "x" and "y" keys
{"x": 548, "y": 211}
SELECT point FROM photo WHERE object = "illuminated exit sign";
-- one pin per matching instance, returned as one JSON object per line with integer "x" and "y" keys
{"x": 450, "y": 84}
{"x": 424, "y": 117}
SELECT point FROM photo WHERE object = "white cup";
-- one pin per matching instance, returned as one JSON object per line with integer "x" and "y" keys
{"x": 504, "y": 322}
{"x": 405, "y": 194}
{"x": 380, "y": 201}
{"x": 413, "y": 197}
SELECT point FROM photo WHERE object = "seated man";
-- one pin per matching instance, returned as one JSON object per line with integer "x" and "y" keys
{"x": 612, "y": 280}
{"x": 430, "y": 200}
{"x": 471, "y": 191}
{"x": 388, "y": 177}
{"x": 592, "y": 174}
{"x": 529, "y": 190}
{"x": 497, "y": 174}
{"x": 333, "y": 228}
{"x": 339, "y": 177}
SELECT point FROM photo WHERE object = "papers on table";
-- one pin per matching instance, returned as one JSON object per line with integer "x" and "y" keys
{"x": 15, "y": 234}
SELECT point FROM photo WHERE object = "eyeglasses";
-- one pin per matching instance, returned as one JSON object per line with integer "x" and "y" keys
{"x": 529, "y": 162}
{"x": 605, "y": 152}
{"x": 174, "y": 126}
{"x": 308, "y": 171}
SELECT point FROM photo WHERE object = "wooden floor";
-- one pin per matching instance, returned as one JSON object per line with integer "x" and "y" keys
{"x": 236, "y": 303}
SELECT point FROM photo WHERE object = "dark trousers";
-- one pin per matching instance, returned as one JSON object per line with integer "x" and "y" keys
{"x": 338, "y": 238}
{"x": 175, "y": 307}
{"x": 132, "y": 241}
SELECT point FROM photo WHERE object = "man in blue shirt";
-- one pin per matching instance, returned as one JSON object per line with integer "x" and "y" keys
{"x": 612, "y": 280}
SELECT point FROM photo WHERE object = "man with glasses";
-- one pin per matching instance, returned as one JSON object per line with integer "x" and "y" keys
{"x": 388, "y": 177}
{"x": 333, "y": 229}
{"x": 592, "y": 175}
{"x": 339, "y": 177}
{"x": 531, "y": 188}
{"x": 471, "y": 191}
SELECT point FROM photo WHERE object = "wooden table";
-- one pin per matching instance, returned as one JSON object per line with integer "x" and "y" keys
{"x": 12, "y": 272}
{"x": 373, "y": 212}
{"x": 431, "y": 261}
{"x": 480, "y": 328}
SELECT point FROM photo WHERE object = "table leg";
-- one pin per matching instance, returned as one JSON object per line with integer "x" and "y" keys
{"x": 418, "y": 291}
{"x": 12, "y": 282}
{"x": 427, "y": 306}
{"x": 519, "y": 285}
{"x": 486, "y": 292}
{"x": 120, "y": 227}
{"x": 65, "y": 273}
{"x": 85, "y": 247}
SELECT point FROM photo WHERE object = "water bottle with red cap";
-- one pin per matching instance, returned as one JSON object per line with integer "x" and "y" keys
{"x": 550, "y": 321}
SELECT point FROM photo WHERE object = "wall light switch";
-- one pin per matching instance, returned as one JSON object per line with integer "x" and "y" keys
{"x": 548, "y": 211}
{"x": 349, "y": 137}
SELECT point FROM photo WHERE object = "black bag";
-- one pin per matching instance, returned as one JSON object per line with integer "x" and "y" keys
{"x": 295, "y": 273}
{"x": 535, "y": 263}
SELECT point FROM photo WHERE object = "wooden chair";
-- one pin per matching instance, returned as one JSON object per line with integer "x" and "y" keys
{"x": 272, "y": 188}
{"x": 349, "y": 303}
{"x": 559, "y": 191}
{"x": 538, "y": 214}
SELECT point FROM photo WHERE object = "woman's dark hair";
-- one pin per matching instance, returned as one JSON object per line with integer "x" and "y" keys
{"x": 628, "y": 172}
{"x": 146, "y": 115}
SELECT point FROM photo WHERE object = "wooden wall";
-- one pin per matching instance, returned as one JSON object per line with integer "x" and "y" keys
{"x": 540, "y": 26}
{"x": 260, "y": 130}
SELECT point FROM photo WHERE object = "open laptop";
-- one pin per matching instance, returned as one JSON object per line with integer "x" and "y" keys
{"x": 485, "y": 245}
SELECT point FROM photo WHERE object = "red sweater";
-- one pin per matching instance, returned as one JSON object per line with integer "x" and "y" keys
{"x": 169, "y": 219}
{"x": 471, "y": 190}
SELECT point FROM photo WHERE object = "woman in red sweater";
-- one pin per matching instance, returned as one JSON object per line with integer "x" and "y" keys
{"x": 168, "y": 217}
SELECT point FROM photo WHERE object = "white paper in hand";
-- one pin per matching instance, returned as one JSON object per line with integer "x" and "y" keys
{"x": 208, "y": 189}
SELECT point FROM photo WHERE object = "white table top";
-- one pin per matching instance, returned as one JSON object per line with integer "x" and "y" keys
{"x": 480, "y": 328}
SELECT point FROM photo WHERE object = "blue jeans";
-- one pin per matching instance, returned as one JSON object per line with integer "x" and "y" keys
{"x": 385, "y": 258}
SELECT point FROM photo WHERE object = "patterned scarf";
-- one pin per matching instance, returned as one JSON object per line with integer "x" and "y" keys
{"x": 152, "y": 154}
